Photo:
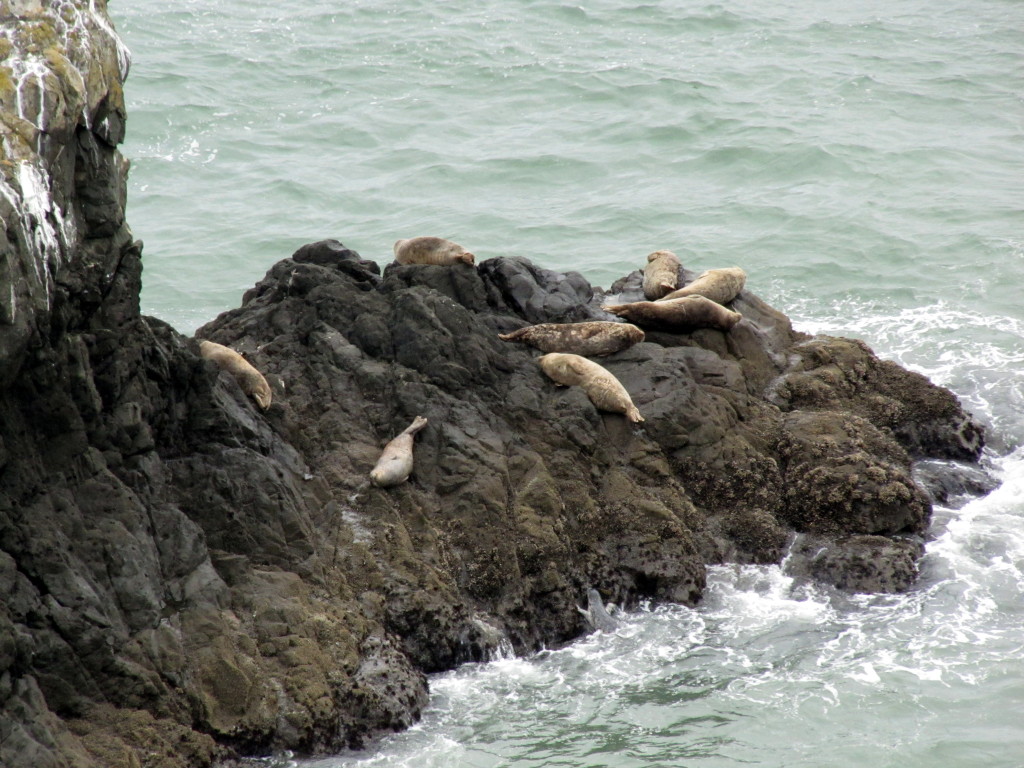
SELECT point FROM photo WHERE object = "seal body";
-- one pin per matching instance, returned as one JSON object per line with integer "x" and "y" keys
{"x": 604, "y": 390}
{"x": 431, "y": 250}
{"x": 594, "y": 338}
{"x": 689, "y": 313}
{"x": 249, "y": 379}
{"x": 719, "y": 285}
{"x": 596, "y": 614}
{"x": 661, "y": 275}
{"x": 395, "y": 464}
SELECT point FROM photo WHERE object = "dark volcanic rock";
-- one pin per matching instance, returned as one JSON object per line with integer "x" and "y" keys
{"x": 186, "y": 578}
{"x": 953, "y": 483}
{"x": 833, "y": 373}
{"x": 858, "y": 563}
{"x": 841, "y": 474}
{"x": 540, "y": 295}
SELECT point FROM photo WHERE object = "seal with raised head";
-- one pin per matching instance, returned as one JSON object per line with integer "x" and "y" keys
{"x": 596, "y": 614}
{"x": 689, "y": 313}
{"x": 661, "y": 275}
{"x": 604, "y": 390}
{"x": 395, "y": 464}
{"x": 249, "y": 379}
{"x": 720, "y": 285}
{"x": 431, "y": 250}
{"x": 593, "y": 338}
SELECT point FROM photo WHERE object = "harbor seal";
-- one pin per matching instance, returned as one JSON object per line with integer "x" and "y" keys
{"x": 249, "y": 379}
{"x": 395, "y": 464}
{"x": 689, "y": 313}
{"x": 431, "y": 250}
{"x": 719, "y": 285}
{"x": 596, "y": 614}
{"x": 593, "y": 338}
{"x": 604, "y": 390}
{"x": 661, "y": 275}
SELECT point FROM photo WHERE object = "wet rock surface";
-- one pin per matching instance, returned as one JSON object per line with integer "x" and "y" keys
{"x": 187, "y": 578}
{"x": 858, "y": 563}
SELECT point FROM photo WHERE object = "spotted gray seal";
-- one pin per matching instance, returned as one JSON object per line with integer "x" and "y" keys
{"x": 594, "y": 338}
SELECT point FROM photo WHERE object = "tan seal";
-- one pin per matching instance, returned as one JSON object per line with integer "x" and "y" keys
{"x": 604, "y": 390}
{"x": 431, "y": 250}
{"x": 593, "y": 338}
{"x": 249, "y": 379}
{"x": 719, "y": 285}
{"x": 395, "y": 464}
{"x": 689, "y": 313}
{"x": 661, "y": 275}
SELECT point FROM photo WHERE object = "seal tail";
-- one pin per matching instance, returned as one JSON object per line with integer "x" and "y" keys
{"x": 514, "y": 336}
{"x": 417, "y": 424}
{"x": 633, "y": 414}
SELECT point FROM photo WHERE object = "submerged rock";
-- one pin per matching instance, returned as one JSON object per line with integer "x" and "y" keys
{"x": 187, "y": 578}
{"x": 858, "y": 563}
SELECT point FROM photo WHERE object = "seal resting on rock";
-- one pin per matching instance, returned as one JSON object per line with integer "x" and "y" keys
{"x": 677, "y": 315}
{"x": 719, "y": 285}
{"x": 431, "y": 250}
{"x": 249, "y": 379}
{"x": 596, "y": 614}
{"x": 395, "y": 464}
{"x": 661, "y": 275}
{"x": 593, "y": 338}
{"x": 603, "y": 389}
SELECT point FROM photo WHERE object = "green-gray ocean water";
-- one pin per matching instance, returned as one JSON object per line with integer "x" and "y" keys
{"x": 863, "y": 162}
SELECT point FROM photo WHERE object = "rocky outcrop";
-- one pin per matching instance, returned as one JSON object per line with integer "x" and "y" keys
{"x": 187, "y": 577}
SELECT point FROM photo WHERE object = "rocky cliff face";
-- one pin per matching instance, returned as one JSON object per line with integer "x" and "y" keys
{"x": 186, "y": 577}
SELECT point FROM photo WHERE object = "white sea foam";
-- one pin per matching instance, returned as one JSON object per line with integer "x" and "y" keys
{"x": 972, "y": 353}
{"x": 937, "y": 340}
{"x": 982, "y": 546}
